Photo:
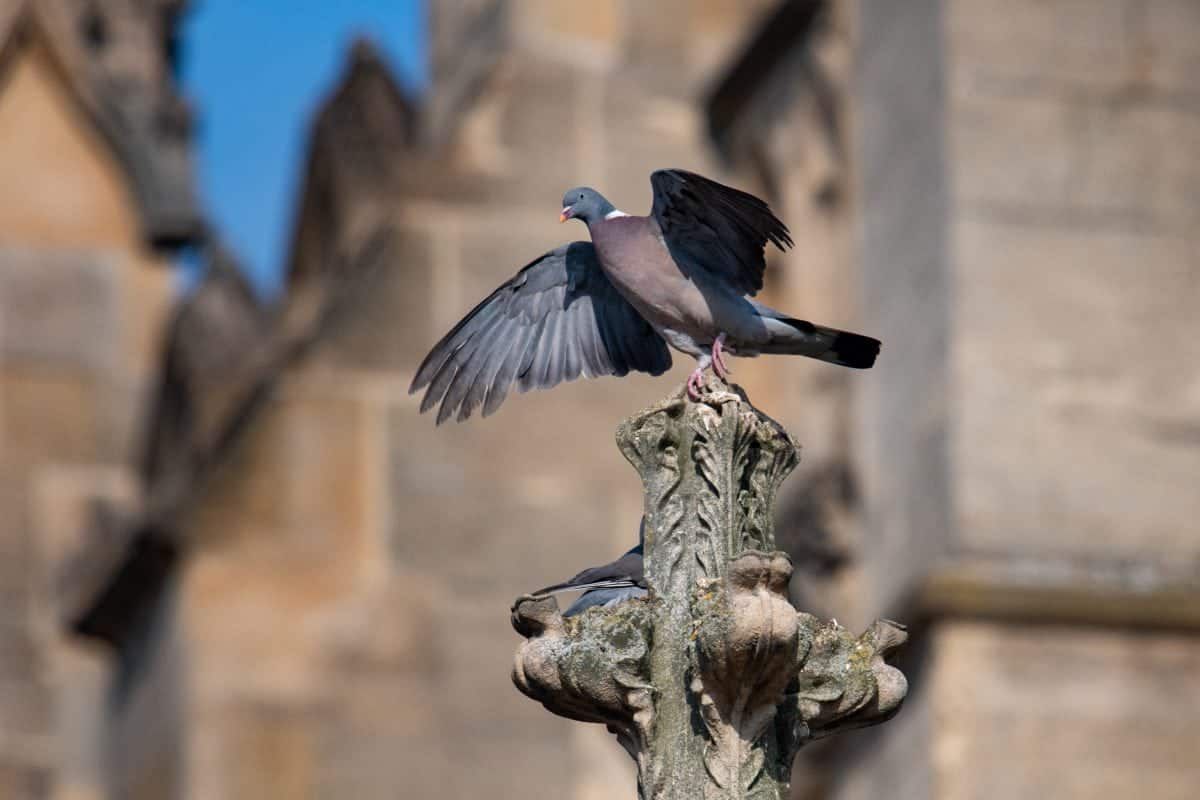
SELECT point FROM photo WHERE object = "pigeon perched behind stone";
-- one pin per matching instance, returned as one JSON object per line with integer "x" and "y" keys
{"x": 604, "y": 586}
{"x": 681, "y": 276}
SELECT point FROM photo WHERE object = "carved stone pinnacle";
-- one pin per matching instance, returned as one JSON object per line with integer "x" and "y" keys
{"x": 714, "y": 682}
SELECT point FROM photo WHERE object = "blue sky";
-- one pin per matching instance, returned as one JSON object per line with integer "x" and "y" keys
{"x": 255, "y": 70}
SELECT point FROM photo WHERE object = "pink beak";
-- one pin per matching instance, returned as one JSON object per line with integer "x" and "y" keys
{"x": 565, "y": 215}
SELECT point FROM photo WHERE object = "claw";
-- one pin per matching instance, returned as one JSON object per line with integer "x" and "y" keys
{"x": 694, "y": 382}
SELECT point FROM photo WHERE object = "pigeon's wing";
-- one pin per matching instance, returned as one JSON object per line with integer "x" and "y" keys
{"x": 716, "y": 228}
{"x": 603, "y": 598}
{"x": 558, "y": 319}
{"x": 625, "y": 571}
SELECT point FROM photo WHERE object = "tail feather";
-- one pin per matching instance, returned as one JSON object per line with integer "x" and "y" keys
{"x": 799, "y": 337}
{"x": 853, "y": 349}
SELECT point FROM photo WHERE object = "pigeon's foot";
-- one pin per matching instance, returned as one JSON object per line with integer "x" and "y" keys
{"x": 718, "y": 361}
{"x": 694, "y": 383}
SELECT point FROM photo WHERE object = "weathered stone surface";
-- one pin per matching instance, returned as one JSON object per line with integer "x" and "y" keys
{"x": 1023, "y": 168}
{"x": 714, "y": 683}
{"x": 59, "y": 310}
{"x": 901, "y": 423}
{"x": 84, "y": 291}
{"x": 1074, "y": 226}
{"x": 22, "y": 781}
{"x": 1100, "y": 47}
{"x": 51, "y": 415}
{"x": 1088, "y": 43}
{"x": 64, "y": 501}
{"x": 591, "y": 31}
{"x": 1049, "y": 159}
{"x": 594, "y": 669}
{"x": 388, "y": 306}
{"x": 1076, "y": 389}
{"x": 1122, "y": 706}
{"x": 16, "y": 552}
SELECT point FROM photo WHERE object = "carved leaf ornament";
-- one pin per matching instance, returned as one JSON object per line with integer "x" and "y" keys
{"x": 714, "y": 682}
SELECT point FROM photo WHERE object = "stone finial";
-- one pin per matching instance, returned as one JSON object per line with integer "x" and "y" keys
{"x": 713, "y": 683}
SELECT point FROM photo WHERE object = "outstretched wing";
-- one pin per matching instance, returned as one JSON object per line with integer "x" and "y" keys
{"x": 716, "y": 228}
{"x": 557, "y": 319}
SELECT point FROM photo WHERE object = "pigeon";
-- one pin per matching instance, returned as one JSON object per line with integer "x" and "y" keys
{"x": 683, "y": 276}
{"x": 605, "y": 586}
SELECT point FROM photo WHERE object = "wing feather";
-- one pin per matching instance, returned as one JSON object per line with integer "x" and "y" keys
{"x": 558, "y": 319}
{"x": 497, "y": 389}
{"x": 715, "y": 228}
{"x": 477, "y": 394}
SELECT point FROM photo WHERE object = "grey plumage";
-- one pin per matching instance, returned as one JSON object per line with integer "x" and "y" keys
{"x": 558, "y": 319}
{"x": 606, "y": 585}
{"x": 681, "y": 276}
{"x": 604, "y": 598}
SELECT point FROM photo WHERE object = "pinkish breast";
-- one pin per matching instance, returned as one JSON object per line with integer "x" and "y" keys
{"x": 636, "y": 260}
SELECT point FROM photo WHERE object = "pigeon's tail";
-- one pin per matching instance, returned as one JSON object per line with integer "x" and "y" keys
{"x": 800, "y": 337}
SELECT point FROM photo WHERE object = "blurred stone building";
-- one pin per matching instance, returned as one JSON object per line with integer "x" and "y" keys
{"x": 238, "y": 563}
{"x": 94, "y": 165}
{"x": 1009, "y": 192}
{"x": 1014, "y": 187}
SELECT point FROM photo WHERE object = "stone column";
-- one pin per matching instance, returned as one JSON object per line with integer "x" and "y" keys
{"x": 715, "y": 681}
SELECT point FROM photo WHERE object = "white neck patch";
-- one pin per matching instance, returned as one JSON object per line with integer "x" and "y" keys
{"x": 616, "y": 212}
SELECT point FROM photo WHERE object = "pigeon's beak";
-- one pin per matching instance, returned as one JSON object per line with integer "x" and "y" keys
{"x": 565, "y": 214}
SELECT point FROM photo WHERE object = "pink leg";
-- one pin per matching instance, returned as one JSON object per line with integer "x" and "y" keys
{"x": 695, "y": 381}
{"x": 719, "y": 366}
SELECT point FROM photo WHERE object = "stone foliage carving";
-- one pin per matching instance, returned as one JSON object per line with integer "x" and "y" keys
{"x": 715, "y": 681}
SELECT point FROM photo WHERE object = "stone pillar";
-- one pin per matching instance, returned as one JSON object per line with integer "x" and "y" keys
{"x": 715, "y": 681}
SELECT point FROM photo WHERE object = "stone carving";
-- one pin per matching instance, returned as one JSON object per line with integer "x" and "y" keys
{"x": 714, "y": 682}
{"x": 592, "y": 668}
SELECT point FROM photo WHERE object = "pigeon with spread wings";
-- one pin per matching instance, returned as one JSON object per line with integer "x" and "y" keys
{"x": 681, "y": 276}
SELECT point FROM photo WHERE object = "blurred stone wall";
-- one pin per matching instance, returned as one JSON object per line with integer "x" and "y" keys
{"x": 1006, "y": 195}
{"x": 1025, "y": 227}
{"x": 1028, "y": 194}
{"x": 1074, "y": 233}
{"x": 84, "y": 296}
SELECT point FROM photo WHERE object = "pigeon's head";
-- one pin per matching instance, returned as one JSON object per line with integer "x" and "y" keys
{"x": 585, "y": 203}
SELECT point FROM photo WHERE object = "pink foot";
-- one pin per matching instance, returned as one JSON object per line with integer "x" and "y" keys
{"x": 718, "y": 361}
{"x": 695, "y": 381}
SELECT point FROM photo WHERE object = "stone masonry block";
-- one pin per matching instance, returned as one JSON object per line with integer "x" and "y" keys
{"x": 50, "y": 415}
{"x": 1084, "y": 43}
{"x": 1116, "y": 704}
{"x": 1069, "y": 359}
{"x": 58, "y": 309}
{"x": 1128, "y": 166}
